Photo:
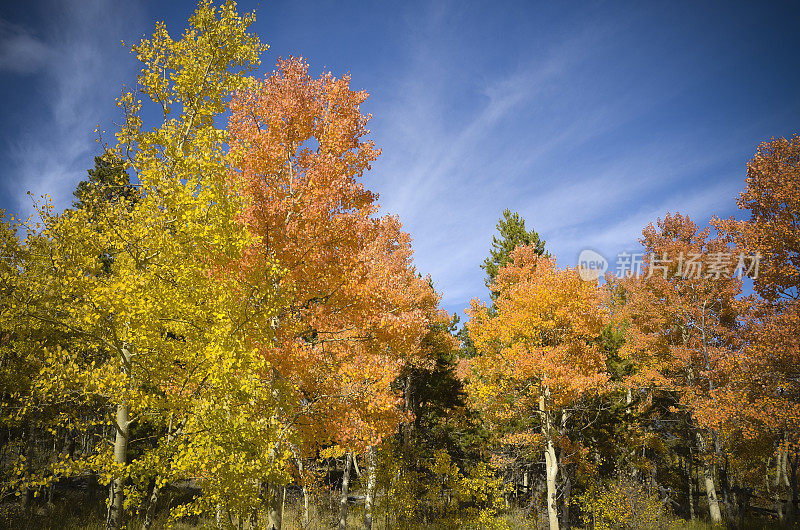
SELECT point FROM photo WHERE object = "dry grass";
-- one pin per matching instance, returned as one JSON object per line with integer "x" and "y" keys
{"x": 76, "y": 517}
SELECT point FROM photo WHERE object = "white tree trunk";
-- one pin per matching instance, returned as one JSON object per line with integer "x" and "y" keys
{"x": 551, "y": 464}
{"x": 122, "y": 434}
{"x": 567, "y": 491}
{"x": 550, "y": 458}
{"x": 152, "y": 504}
{"x": 781, "y": 481}
{"x": 708, "y": 480}
{"x": 275, "y": 515}
{"x": 114, "y": 517}
{"x": 348, "y": 461}
{"x": 711, "y": 493}
{"x": 370, "y": 496}
{"x": 306, "y": 517}
{"x": 690, "y": 483}
{"x": 218, "y": 517}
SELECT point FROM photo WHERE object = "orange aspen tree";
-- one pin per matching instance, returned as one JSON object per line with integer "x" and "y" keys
{"x": 538, "y": 353}
{"x": 684, "y": 314}
{"x": 766, "y": 397}
{"x": 772, "y": 197}
{"x": 356, "y": 309}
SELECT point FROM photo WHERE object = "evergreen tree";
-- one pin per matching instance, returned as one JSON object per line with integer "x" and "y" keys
{"x": 512, "y": 234}
{"x": 467, "y": 348}
{"x": 108, "y": 182}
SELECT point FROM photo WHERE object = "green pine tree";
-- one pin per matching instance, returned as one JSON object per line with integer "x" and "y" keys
{"x": 512, "y": 234}
{"x": 108, "y": 182}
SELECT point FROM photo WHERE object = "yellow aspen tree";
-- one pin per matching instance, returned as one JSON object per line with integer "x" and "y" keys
{"x": 165, "y": 308}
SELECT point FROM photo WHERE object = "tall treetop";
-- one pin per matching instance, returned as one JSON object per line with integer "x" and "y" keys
{"x": 512, "y": 235}
{"x": 773, "y": 231}
{"x": 108, "y": 182}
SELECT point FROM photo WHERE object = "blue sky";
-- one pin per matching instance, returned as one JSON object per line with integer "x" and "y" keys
{"x": 591, "y": 119}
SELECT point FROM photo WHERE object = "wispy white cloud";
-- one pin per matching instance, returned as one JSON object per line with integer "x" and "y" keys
{"x": 429, "y": 145}
{"x": 622, "y": 232}
{"x": 80, "y": 66}
{"x": 21, "y": 52}
{"x": 524, "y": 139}
{"x": 441, "y": 170}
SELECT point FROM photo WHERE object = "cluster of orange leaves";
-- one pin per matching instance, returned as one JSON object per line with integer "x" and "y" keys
{"x": 356, "y": 311}
{"x": 540, "y": 334}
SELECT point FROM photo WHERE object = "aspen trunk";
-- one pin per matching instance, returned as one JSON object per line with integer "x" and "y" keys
{"x": 777, "y": 501}
{"x": 724, "y": 481}
{"x": 786, "y": 486}
{"x": 275, "y": 494}
{"x": 567, "y": 490}
{"x": 551, "y": 465}
{"x": 525, "y": 484}
{"x": 690, "y": 484}
{"x": 252, "y": 519}
{"x": 370, "y": 488}
{"x": 114, "y": 517}
{"x": 275, "y": 516}
{"x": 151, "y": 506}
{"x": 304, "y": 490}
{"x": 792, "y": 493}
{"x": 283, "y": 502}
{"x": 306, "y": 517}
{"x": 708, "y": 481}
{"x": 782, "y": 490}
{"x": 348, "y": 462}
{"x": 631, "y": 450}
{"x": 121, "y": 436}
{"x": 711, "y": 493}
{"x": 708, "y": 468}
{"x": 550, "y": 458}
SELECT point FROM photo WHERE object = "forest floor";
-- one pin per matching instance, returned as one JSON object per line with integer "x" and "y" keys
{"x": 64, "y": 517}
